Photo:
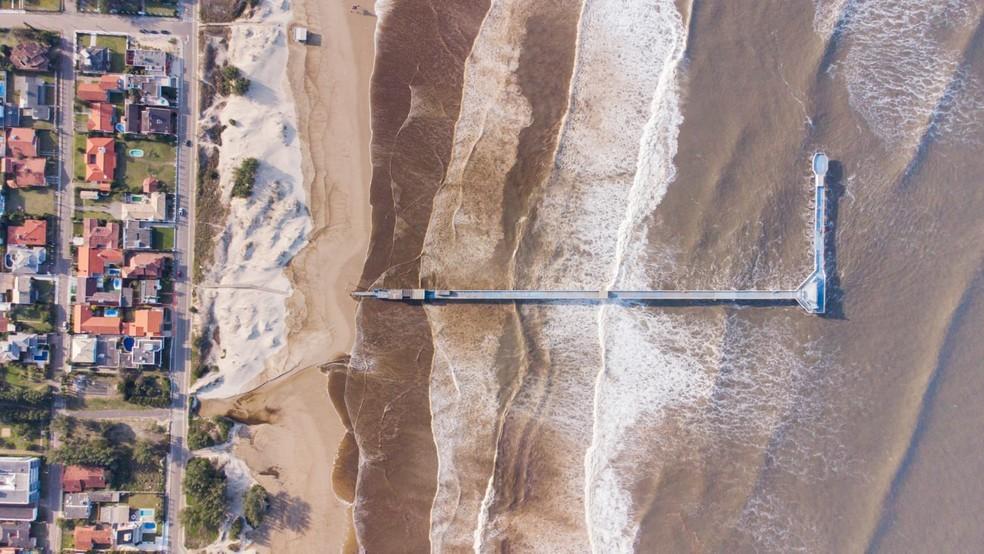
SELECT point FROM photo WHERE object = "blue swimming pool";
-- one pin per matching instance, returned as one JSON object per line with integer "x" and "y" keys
{"x": 111, "y": 312}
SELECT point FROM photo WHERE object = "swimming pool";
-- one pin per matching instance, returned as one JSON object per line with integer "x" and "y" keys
{"x": 135, "y": 153}
{"x": 111, "y": 312}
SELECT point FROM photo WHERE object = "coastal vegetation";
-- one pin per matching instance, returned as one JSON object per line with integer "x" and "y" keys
{"x": 244, "y": 178}
{"x": 145, "y": 390}
{"x": 205, "y": 487}
{"x": 232, "y": 81}
{"x": 206, "y": 432}
{"x": 255, "y": 505}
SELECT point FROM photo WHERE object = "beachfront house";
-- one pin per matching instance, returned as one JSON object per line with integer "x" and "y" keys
{"x": 20, "y": 488}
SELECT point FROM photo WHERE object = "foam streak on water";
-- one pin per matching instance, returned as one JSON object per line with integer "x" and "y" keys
{"x": 903, "y": 65}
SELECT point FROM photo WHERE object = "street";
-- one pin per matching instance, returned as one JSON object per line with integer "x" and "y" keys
{"x": 185, "y": 30}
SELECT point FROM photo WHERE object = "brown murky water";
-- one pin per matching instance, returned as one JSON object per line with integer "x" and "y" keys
{"x": 652, "y": 143}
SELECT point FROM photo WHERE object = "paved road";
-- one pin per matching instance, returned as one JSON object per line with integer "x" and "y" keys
{"x": 186, "y": 31}
{"x": 162, "y": 413}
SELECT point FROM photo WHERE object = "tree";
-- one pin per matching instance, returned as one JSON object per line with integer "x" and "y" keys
{"x": 255, "y": 505}
{"x": 147, "y": 452}
{"x": 244, "y": 177}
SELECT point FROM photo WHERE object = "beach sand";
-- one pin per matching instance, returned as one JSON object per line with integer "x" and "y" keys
{"x": 295, "y": 432}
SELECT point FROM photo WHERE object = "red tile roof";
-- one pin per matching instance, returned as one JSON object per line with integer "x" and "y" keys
{"x": 111, "y": 82}
{"x": 145, "y": 264}
{"x": 30, "y": 56}
{"x": 100, "y": 159}
{"x": 4, "y": 324}
{"x": 150, "y": 185}
{"x": 91, "y": 92}
{"x": 27, "y": 172}
{"x": 96, "y": 235}
{"x": 146, "y": 323}
{"x": 34, "y": 232}
{"x": 87, "y": 538}
{"x": 22, "y": 142}
{"x": 80, "y": 478}
{"x": 101, "y": 117}
{"x": 93, "y": 261}
{"x": 84, "y": 322}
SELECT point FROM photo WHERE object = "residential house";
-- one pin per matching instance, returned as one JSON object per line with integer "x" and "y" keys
{"x": 94, "y": 59}
{"x": 151, "y": 184}
{"x": 83, "y": 349}
{"x": 26, "y": 348}
{"x": 145, "y": 207}
{"x": 128, "y": 534}
{"x": 81, "y": 478}
{"x": 149, "y": 291}
{"x": 144, "y": 265}
{"x": 22, "y": 142}
{"x": 97, "y": 261}
{"x": 100, "y": 161}
{"x": 16, "y": 289}
{"x": 91, "y": 92}
{"x": 34, "y": 100}
{"x": 158, "y": 121}
{"x": 114, "y": 514}
{"x": 20, "y": 488}
{"x": 152, "y": 62}
{"x": 76, "y": 505}
{"x": 102, "y": 117}
{"x": 152, "y": 90}
{"x": 30, "y": 56}
{"x": 33, "y": 232}
{"x": 24, "y": 259}
{"x": 137, "y": 235}
{"x": 93, "y": 291}
{"x": 100, "y": 235}
{"x": 16, "y": 536}
{"x": 5, "y": 325}
{"x": 91, "y": 538}
{"x": 84, "y": 321}
{"x": 147, "y": 322}
{"x": 131, "y": 118}
{"x": 24, "y": 172}
{"x": 145, "y": 352}
{"x": 96, "y": 351}
{"x": 113, "y": 82}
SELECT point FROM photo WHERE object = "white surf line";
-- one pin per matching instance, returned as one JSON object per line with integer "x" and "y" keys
{"x": 635, "y": 210}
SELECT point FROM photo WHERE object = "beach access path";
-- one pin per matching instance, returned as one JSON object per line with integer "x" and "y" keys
{"x": 185, "y": 30}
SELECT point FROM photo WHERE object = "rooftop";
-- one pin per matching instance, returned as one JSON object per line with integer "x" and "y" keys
{"x": 83, "y": 321}
{"x": 100, "y": 159}
{"x": 33, "y": 232}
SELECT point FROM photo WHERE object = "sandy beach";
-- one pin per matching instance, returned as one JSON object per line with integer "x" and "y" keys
{"x": 295, "y": 432}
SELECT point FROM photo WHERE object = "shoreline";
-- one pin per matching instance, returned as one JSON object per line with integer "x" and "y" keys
{"x": 294, "y": 430}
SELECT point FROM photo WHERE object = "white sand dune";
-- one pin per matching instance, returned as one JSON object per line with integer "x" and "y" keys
{"x": 247, "y": 286}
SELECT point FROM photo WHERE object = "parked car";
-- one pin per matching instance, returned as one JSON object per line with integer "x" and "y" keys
{"x": 188, "y": 143}
{"x": 182, "y": 212}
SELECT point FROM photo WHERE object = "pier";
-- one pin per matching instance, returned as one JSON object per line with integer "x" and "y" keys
{"x": 811, "y": 294}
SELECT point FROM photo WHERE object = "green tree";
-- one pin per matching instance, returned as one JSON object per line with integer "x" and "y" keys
{"x": 244, "y": 177}
{"x": 255, "y": 505}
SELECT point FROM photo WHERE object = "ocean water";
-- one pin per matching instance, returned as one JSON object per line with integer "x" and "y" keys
{"x": 659, "y": 143}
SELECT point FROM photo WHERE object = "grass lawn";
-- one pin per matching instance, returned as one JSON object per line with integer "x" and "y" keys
{"x": 78, "y": 151}
{"x": 116, "y": 45}
{"x": 7, "y": 38}
{"x": 158, "y": 161}
{"x": 43, "y": 5}
{"x": 107, "y": 404}
{"x": 161, "y": 8}
{"x": 36, "y": 316}
{"x": 162, "y": 238}
{"x": 144, "y": 500}
{"x": 37, "y": 201}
